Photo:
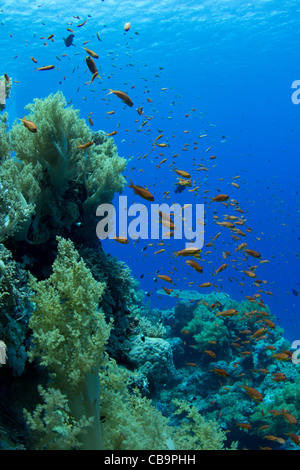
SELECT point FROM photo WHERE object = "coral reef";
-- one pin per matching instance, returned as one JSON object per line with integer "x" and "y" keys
{"x": 72, "y": 180}
{"x": 153, "y": 358}
{"x": 229, "y": 347}
{"x": 15, "y": 311}
{"x": 103, "y": 372}
{"x": 130, "y": 421}
{"x": 4, "y": 136}
{"x": 69, "y": 336}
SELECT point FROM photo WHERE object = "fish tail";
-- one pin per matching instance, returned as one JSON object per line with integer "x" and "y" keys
{"x": 131, "y": 184}
{"x": 110, "y": 91}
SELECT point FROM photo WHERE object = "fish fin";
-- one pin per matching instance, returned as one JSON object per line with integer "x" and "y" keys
{"x": 131, "y": 184}
{"x": 110, "y": 91}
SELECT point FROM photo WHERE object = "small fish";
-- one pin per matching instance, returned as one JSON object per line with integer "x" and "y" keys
{"x": 221, "y": 268}
{"x": 140, "y": 191}
{"x": 69, "y": 40}
{"x": 122, "y": 240}
{"x": 254, "y": 394}
{"x": 227, "y": 313}
{"x": 244, "y": 425}
{"x": 29, "y": 125}
{"x": 163, "y": 145}
{"x": 33, "y": 59}
{"x": 220, "y": 198}
{"x": 126, "y": 26}
{"x": 94, "y": 76}
{"x": 91, "y": 53}
{"x": 253, "y": 253}
{"x": 111, "y": 134}
{"x": 91, "y": 65}
{"x": 182, "y": 173}
{"x": 250, "y": 273}
{"x": 46, "y": 67}
{"x": 195, "y": 265}
{"x": 163, "y": 277}
{"x": 220, "y": 372}
{"x": 120, "y": 94}
{"x": 167, "y": 291}
{"x": 210, "y": 353}
{"x": 84, "y": 146}
{"x": 81, "y": 24}
{"x": 190, "y": 251}
{"x": 281, "y": 356}
{"x": 184, "y": 183}
{"x": 6, "y": 77}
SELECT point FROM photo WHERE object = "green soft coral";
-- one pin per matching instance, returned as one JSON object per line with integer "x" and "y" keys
{"x": 19, "y": 191}
{"x": 70, "y": 333}
{"x": 53, "y": 145}
{"x": 131, "y": 421}
{"x": 101, "y": 183}
{"x": 74, "y": 180}
{"x": 4, "y": 136}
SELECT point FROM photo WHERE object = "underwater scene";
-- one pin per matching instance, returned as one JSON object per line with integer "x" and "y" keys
{"x": 149, "y": 225}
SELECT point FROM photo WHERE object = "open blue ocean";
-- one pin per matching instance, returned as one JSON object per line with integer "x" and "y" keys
{"x": 173, "y": 126}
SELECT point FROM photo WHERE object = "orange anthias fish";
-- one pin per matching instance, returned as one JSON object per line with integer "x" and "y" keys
{"x": 164, "y": 277}
{"x": 220, "y": 198}
{"x": 254, "y": 394}
{"x": 46, "y": 67}
{"x": 168, "y": 291}
{"x": 140, "y": 191}
{"x": 111, "y": 134}
{"x": 182, "y": 173}
{"x": 195, "y": 265}
{"x": 189, "y": 251}
{"x": 91, "y": 53}
{"x": 220, "y": 372}
{"x": 122, "y": 240}
{"x": 29, "y": 125}
{"x": 228, "y": 313}
{"x": 84, "y": 146}
{"x": 253, "y": 253}
{"x": 221, "y": 268}
{"x": 120, "y": 94}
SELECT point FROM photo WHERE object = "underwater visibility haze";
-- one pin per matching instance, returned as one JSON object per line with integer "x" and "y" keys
{"x": 149, "y": 225}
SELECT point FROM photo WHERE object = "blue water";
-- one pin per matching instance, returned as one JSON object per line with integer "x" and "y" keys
{"x": 229, "y": 66}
